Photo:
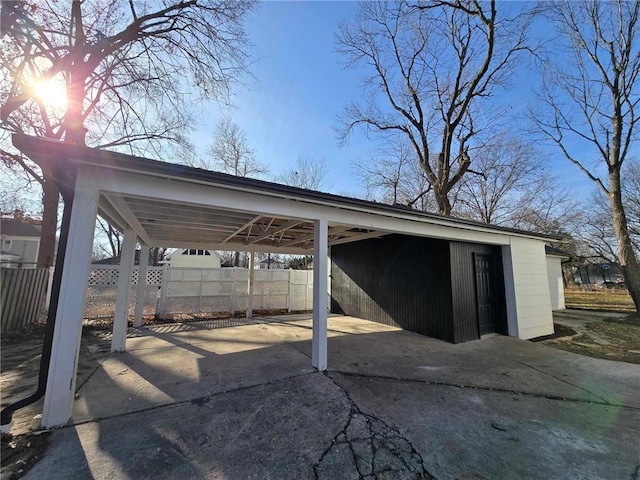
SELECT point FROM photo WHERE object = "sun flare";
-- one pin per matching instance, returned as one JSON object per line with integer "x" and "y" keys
{"x": 52, "y": 93}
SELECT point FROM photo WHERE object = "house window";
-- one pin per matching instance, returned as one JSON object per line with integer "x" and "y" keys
{"x": 196, "y": 252}
{"x": 6, "y": 244}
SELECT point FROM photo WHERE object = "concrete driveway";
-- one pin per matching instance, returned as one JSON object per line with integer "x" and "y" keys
{"x": 241, "y": 401}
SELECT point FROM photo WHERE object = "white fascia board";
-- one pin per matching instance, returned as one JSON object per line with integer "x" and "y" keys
{"x": 196, "y": 193}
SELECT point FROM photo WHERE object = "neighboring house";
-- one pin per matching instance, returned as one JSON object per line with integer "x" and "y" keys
{"x": 555, "y": 258}
{"x": 194, "y": 258}
{"x": 186, "y": 258}
{"x": 20, "y": 243}
{"x": 270, "y": 264}
{"x": 603, "y": 273}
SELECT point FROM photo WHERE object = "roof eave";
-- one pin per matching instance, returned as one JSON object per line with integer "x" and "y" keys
{"x": 122, "y": 162}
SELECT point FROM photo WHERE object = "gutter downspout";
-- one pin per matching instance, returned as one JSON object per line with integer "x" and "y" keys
{"x": 6, "y": 416}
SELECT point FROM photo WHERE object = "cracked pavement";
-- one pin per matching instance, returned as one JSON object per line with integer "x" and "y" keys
{"x": 242, "y": 402}
{"x": 368, "y": 448}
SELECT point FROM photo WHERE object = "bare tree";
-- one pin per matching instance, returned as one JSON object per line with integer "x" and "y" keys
{"x": 306, "y": 173}
{"x": 507, "y": 167}
{"x": 122, "y": 69}
{"x": 270, "y": 259}
{"x": 547, "y": 206}
{"x": 393, "y": 176}
{"x": 436, "y": 64}
{"x": 591, "y": 97}
{"x": 106, "y": 231}
{"x": 231, "y": 152}
{"x": 598, "y": 235}
{"x": 631, "y": 199}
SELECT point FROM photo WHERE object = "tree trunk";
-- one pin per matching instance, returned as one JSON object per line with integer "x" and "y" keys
{"x": 50, "y": 198}
{"x": 442, "y": 201}
{"x": 628, "y": 260}
{"x": 75, "y": 131}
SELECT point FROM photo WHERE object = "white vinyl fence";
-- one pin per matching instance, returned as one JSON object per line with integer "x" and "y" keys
{"x": 173, "y": 290}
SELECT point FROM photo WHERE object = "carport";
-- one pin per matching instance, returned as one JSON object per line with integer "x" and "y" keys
{"x": 168, "y": 205}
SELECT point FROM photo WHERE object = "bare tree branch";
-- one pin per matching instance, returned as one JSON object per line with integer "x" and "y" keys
{"x": 589, "y": 99}
{"x": 128, "y": 68}
{"x": 231, "y": 153}
{"x": 433, "y": 63}
{"x": 306, "y": 173}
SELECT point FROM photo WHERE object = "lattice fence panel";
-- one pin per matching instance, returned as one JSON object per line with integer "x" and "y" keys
{"x": 102, "y": 289}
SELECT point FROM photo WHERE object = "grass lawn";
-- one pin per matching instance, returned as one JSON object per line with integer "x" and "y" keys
{"x": 622, "y": 337}
{"x": 609, "y": 300}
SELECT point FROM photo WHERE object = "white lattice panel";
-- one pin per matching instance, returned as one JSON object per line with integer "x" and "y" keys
{"x": 154, "y": 276}
{"x": 103, "y": 276}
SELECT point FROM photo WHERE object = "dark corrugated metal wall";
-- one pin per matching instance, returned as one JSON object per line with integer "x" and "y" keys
{"x": 395, "y": 280}
{"x": 465, "y": 313}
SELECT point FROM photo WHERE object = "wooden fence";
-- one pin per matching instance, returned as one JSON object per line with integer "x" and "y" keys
{"x": 22, "y": 294}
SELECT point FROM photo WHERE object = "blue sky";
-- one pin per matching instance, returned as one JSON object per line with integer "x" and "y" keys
{"x": 291, "y": 105}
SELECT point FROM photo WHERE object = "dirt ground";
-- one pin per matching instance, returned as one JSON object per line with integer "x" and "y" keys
{"x": 20, "y": 362}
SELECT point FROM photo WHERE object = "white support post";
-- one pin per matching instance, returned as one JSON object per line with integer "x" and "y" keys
{"x": 234, "y": 300}
{"x": 329, "y": 279}
{"x": 61, "y": 381}
{"x": 164, "y": 286}
{"x": 141, "y": 296}
{"x": 290, "y": 296}
{"x": 250, "y": 285}
{"x": 121, "y": 317}
{"x": 319, "y": 340}
{"x": 201, "y": 272}
{"x": 49, "y": 287}
{"x": 308, "y": 305}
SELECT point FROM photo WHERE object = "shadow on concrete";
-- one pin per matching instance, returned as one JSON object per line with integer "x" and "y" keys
{"x": 243, "y": 401}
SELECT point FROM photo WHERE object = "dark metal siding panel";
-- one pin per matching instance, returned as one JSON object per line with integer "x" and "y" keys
{"x": 396, "y": 280}
{"x": 463, "y": 287}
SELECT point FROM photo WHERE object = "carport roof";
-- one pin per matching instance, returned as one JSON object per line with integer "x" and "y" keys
{"x": 161, "y": 221}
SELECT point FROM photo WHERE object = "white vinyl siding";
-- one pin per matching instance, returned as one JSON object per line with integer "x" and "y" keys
{"x": 556, "y": 286}
{"x": 527, "y": 289}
